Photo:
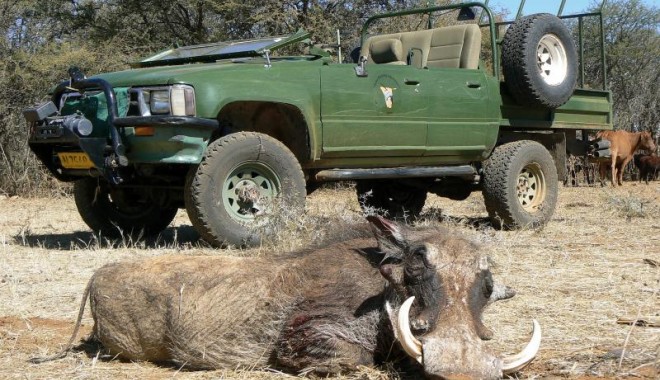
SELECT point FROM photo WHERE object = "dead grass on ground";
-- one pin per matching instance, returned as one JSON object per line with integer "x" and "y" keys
{"x": 577, "y": 276}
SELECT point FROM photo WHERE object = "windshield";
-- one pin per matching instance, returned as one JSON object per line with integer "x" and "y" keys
{"x": 221, "y": 50}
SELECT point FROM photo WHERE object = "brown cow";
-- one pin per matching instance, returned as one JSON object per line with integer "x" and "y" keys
{"x": 648, "y": 165}
{"x": 623, "y": 145}
{"x": 415, "y": 300}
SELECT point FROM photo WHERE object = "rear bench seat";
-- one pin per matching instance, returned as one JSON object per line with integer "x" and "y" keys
{"x": 455, "y": 46}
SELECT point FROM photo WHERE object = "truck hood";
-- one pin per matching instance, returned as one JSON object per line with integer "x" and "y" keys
{"x": 168, "y": 74}
{"x": 196, "y": 72}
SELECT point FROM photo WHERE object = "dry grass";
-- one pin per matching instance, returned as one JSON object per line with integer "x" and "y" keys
{"x": 577, "y": 276}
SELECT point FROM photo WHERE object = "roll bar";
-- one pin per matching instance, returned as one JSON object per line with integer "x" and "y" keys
{"x": 430, "y": 11}
{"x": 495, "y": 39}
{"x": 580, "y": 17}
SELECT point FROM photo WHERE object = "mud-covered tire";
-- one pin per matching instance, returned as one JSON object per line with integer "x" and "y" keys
{"x": 394, "y": 199}
{"x": 539, "y": 61}
{"x": 113, "y": 212}
{"x": 243, "y": 179}
{"x": 520, "y": 185}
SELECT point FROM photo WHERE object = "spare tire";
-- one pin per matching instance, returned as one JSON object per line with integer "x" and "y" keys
{"x": 539, "y": 61}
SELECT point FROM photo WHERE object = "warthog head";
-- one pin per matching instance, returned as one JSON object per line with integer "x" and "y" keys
{"x": 440, "y": 287}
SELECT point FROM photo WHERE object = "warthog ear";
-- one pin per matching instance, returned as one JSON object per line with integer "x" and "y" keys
{"x": 390, "y": 236}
{"x": 500, "y": 292}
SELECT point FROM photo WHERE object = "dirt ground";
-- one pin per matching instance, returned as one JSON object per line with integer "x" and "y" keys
{"x": 595, "y": 262}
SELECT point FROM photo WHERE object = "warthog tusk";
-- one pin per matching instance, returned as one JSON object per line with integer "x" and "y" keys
{"x": 411, "y": 345}
{"x": 514, "y": 363}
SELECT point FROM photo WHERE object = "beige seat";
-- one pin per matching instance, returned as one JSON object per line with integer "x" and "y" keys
{"x": 455, "y": 46}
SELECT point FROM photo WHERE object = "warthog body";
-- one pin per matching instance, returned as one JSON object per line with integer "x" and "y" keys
{"x": 326, "y": 310}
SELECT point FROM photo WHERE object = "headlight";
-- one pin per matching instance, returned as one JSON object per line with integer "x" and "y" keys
{"x": 159, "y": 102}
{"x": 175, "y": 100}
{"x": 183, "y": 100}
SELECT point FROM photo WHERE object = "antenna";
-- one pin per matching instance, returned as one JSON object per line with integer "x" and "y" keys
{"x": 520, "y": 9}
{"x": 481, "y": 15}
{"x": 561, "y": 8}
{"x": 338, "y": 47}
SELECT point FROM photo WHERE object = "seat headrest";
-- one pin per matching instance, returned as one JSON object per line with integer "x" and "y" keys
{"x": 388, "y": 50}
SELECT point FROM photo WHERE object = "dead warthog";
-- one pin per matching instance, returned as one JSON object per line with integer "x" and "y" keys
{"x": 415, "y": 300}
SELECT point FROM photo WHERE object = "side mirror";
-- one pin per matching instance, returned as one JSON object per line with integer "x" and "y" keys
{"x": 360, "y": 69}
{"x": 355, "y": 54}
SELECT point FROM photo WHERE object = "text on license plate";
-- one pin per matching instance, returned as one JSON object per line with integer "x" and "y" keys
{"x": 75, "y": 160}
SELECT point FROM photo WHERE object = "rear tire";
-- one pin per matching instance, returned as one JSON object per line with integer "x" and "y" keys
{"x": 116, "y": 211}
{"x": 230, "y": 195}
{"x": 520, "y": 185}
{"x": 539, "y": 61}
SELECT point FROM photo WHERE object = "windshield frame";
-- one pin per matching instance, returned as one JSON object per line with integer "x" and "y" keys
{"x": 215, "y": 51}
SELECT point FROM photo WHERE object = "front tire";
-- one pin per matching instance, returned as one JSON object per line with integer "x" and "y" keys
{"x": 520, "y": 185}
{"x": 231, "y": 193}
{"x": 115, "y": 211}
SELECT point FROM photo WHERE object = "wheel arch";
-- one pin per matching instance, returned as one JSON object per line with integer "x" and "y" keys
{"x": 554, "y": 142}
{"x": 283, "y": 121}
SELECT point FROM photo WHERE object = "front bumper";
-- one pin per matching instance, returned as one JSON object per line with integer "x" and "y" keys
{"x": 176, "y": 139}
{"x": 171, "y": 121}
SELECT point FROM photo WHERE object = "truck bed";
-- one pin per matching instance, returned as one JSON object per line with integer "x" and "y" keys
{"x": 586, "y": 109}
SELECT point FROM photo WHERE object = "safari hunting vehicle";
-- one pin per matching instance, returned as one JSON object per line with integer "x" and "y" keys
{"x": 233, "y": 132}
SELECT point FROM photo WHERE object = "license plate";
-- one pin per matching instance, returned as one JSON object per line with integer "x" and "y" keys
{"x": 75, "y": 160}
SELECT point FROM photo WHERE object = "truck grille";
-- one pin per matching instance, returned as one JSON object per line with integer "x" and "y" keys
{"x": 138, "y": 102}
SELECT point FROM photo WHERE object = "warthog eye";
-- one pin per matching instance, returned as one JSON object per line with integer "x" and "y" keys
{"x": 423, "y": 253}
{"x": 420, "y": 251}
{"x": 417, "y": 267}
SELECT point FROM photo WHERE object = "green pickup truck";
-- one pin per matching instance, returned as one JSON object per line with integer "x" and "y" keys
{"x": 234, "y": 131}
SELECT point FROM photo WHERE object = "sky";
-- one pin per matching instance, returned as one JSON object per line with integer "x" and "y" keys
{"x": 550, "y": 6}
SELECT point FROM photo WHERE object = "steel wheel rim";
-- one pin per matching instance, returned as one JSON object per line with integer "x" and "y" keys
{"x": 551, "y": 60}
{"x": 531, "y": 187}
{"x": 248, "y": 191}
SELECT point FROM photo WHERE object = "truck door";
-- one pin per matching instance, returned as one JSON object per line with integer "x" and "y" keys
{"x": 463, "y": 115}
{"x": 382, "y": 114}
